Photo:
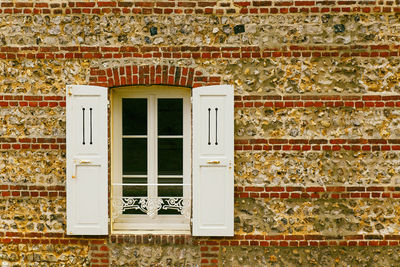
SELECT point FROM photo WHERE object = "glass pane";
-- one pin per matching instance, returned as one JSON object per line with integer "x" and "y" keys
{"x": 134, "y": 191}
{"x": 134, "y": 153}
{"x": 170, "y": 191}
{"x": 170, "y": 116}
{"x": 134, "y": 116}
{"x": 170, "y": 156}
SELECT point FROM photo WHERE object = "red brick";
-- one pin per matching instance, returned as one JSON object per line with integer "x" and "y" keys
{"x": 254, "y": 189}
{"x": 106, "y": 4}
{"x": 295, "y": 195}
{"x": 335, "y": 189}
{"x": 315, "y": 189}
{"x": 204, "y": 248}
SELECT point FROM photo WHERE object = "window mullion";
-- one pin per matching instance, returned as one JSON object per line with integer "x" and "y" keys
{"x": 117, "y": 148}
{"x": 186, "y": 144}
{"x": 152, "y": 141}
{"x": 155, "y": 132}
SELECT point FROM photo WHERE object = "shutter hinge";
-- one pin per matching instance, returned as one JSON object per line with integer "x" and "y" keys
{"x": 108, "y": 103}
{"x": 69, "y": 91}
{"x": 191, "y": 99}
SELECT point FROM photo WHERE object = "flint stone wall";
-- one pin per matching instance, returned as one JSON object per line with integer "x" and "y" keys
{"x": 317, "y": 100}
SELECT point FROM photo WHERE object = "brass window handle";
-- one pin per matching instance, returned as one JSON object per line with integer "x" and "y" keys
{"x": 80, "y": 162}
{"x": 213, "y": 162}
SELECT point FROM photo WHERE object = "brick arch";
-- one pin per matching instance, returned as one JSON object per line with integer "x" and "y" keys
{"x": 150, "y": 75}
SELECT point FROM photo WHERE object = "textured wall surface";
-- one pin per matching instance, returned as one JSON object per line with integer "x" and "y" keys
{"x": 317, "y": 113}
{"x": 328, "y": 256}
{"x": 44, "y": 255}
{"x": 128, "y": 255}
{"x": 323, "y": 216}
{"x": 33, "y": 215}
{"x": 317, "y": 167}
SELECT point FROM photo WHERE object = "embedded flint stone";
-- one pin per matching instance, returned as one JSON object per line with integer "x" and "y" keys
{"x": 238, "y": 29}
{"x": 153, "y": 31}
{"x": 325, "y": 18}
{"x": 339, "y": 28}
{"x": 227, "y": 29}
{"x": 122, "y": 38}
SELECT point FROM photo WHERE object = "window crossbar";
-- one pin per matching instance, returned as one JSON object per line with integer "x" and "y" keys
{"x": 170, "y": 176}
{"x": 151, "y": 184}
{"x": 170, "y": 136}
{"x": 145, "y": 176}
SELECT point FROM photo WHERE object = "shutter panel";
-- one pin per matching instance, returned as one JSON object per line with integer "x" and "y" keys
{"x": 87, "y": 160}
{"x": 213, "y": 161}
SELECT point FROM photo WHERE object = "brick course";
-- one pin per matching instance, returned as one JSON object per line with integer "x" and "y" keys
{"x": 202, "y": 7}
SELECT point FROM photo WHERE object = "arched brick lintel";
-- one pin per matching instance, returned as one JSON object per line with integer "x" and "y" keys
{"x": 150, "y": 75}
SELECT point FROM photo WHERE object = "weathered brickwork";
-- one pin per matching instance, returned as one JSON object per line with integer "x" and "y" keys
{"x": 327, "y": 256}
{"x": 147, "y": 255}
{"x": 317, "y": 113}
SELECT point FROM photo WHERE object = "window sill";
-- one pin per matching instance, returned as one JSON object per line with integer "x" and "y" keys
{"x": 156, "y": 238}
{"x": 150, "y": 232}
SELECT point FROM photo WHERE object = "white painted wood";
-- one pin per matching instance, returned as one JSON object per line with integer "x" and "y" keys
{"x": 213, "y": 161}
{"x": 87, "y": 160}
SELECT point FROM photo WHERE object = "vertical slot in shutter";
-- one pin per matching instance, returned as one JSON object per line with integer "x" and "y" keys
{"x": 213, "y": 161}
{"x": 87, "y": 160}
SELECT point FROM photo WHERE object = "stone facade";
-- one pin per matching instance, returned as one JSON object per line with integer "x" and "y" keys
{"x": 317, "y": 136}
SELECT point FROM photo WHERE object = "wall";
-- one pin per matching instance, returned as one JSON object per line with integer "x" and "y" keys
{"x": 317, "y": 140}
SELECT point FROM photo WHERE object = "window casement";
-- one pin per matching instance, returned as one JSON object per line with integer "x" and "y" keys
{"x": 171, "y": 160}
{"x": 151, "y": 158}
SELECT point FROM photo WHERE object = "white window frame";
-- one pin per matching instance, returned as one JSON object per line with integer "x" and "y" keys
{"x": 144, "y": 223}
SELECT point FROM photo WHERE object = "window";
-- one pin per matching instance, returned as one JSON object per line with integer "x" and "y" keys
{"x": 156, "y": 160}
{"x": 151, "y": 158}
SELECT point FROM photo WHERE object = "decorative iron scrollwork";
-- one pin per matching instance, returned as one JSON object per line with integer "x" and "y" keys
{"x": 150, "y": 206}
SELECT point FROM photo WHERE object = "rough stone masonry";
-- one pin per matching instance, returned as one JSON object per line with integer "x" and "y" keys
{"x": 317, "y": 136}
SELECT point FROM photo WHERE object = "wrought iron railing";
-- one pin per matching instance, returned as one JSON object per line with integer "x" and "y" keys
{"x": 150, "y": 205}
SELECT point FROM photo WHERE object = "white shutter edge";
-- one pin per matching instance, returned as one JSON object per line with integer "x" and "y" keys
{"x": 85, "y": 90}
{"x": 227, "y": 90}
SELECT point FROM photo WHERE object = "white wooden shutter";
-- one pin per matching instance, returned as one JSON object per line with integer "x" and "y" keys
{"x": 87, "y": 159}
{"x": 213, "y": 161}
